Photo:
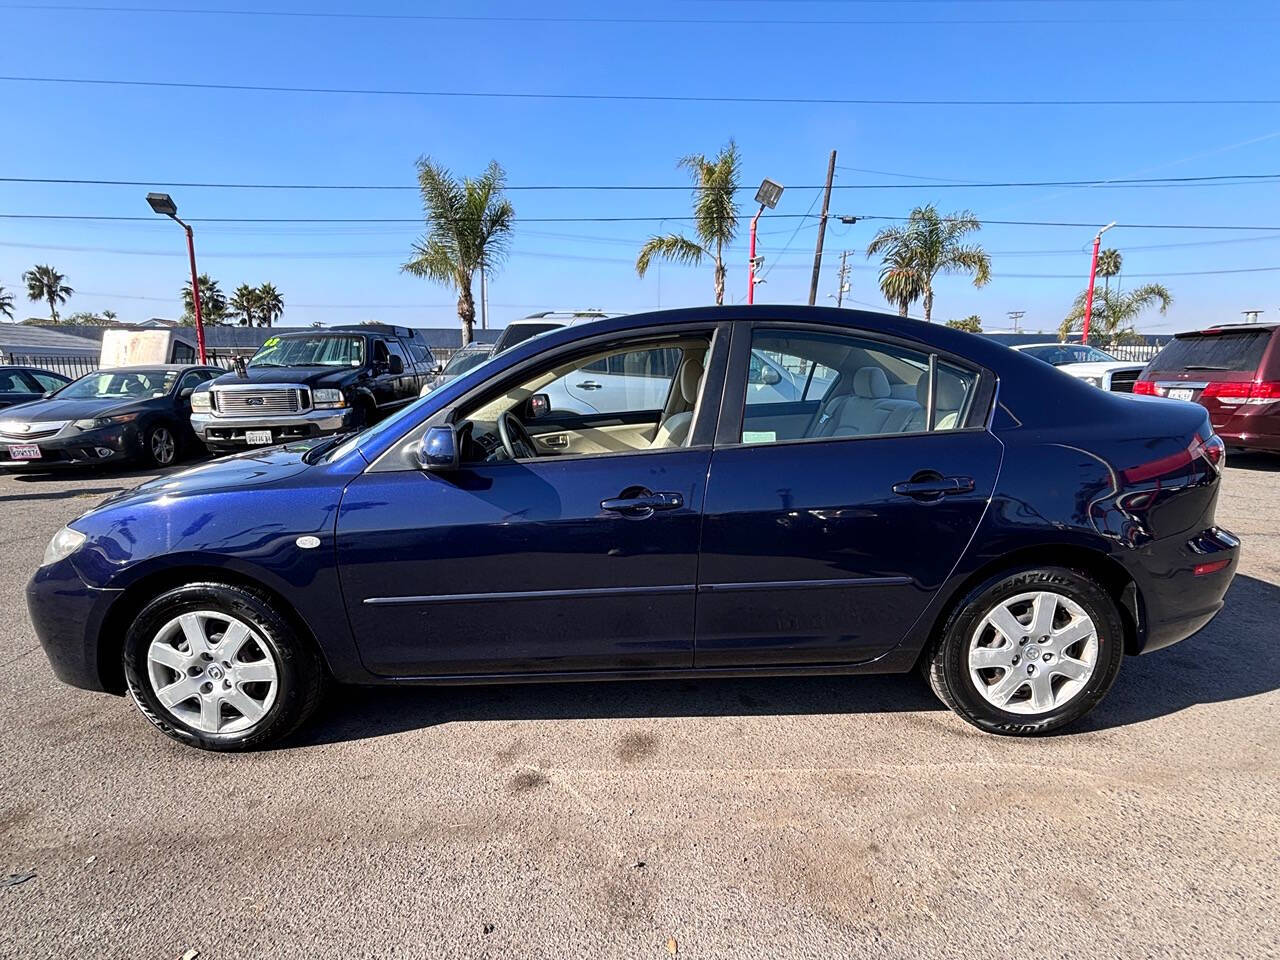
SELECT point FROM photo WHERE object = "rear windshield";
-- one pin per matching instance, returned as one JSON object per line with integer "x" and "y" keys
{"x": 1236, "y": 350}
{"x": 520, "y": 332}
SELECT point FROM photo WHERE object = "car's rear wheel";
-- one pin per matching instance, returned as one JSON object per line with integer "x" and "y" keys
{"x": 218, "y": 666}
{"x": 1029, "y": 651}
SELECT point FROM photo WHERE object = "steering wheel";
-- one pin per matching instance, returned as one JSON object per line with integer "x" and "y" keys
{"x": 515, "y": 438}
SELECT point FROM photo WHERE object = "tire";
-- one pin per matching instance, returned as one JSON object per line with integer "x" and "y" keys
{"x": 957, "y": 662}
{"x": 241, "y": 699}
{"x": 160, "y": 445}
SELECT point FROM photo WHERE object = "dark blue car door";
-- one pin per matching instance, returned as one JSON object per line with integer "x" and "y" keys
{"x": 529, "y": 565}
{"x": 823, "y": 542}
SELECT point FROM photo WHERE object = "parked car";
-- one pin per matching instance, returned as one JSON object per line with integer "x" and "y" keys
{"x": 518, "y": 331}
{"x": 472, "y": 355}
{"x": 1233, "y": 371}
{"x": 1087, "y": 363}
{"x": 312, "y": 384}
{"x": 24, "y": 384}
{"x": 1013, "y": 551}
{"x": 133, "y": 414}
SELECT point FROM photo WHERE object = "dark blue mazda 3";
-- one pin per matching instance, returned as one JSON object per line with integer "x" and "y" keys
{"x": 768, "y": 490}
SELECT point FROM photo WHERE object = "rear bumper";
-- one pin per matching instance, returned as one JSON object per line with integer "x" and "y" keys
{"x": 67, "y": 615}
{"x": 1178, "y": 601}
{"x": 229, "y": 433}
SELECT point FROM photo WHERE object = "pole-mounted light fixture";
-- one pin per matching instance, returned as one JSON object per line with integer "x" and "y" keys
{"x": 768, "y": 196}
{"x": 163, "y": 204}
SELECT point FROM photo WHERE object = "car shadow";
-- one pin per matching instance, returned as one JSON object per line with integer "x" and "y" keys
{"x": 1254, "y": 461}
{"x": 1232, "y": 658}
{"x": 131, "y": 472}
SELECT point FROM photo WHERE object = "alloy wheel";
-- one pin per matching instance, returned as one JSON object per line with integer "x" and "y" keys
{"x": 1033, "y": 652}
{"x": 213, "y": 672}
{"x": 163, "y": 446}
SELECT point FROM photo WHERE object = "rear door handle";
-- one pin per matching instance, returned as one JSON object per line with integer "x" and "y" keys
{"x": 589, "y": 385}
{"x": 933, "y": 488}
{"x": 643, "y": 505}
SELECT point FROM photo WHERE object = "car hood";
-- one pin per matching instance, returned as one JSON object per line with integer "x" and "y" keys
{"x": 54, "y": 409}
{"x": 249, "y": 469}
{"x": 1098, "y": 368}
{"x": 309, "y": 376}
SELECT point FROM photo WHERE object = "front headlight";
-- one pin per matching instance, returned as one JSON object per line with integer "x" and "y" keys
{"x": 202, "y": 401}
{"x": 64, "y": 543}
{"x": 328, "y": 397}
{"x": 1092, "y": 381}
{"x": 97, "y": 423}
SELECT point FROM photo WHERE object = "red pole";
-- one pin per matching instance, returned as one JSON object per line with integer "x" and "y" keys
{"x": 195, "y": 293}
{"x": 1088, "y": 302}
{"x": 751, "y": 259}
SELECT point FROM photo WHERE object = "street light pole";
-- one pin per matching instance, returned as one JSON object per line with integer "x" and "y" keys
{"x": 767, "y": 196}
{"x": 163, "y": 204}
{"x": 1093, "y": 273}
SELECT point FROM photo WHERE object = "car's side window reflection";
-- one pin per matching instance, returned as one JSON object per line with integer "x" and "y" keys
{"x": 812, "y": 386}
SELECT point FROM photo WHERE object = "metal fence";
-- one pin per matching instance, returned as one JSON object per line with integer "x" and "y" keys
{"x": 68, "y": 366}
{"x": 1135, "y": 352}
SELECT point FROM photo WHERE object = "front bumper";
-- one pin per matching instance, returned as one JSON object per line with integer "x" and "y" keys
{"x": 228, "y": 433}
{"x": 82, "y": 448}
{"x": 67, "y": 615}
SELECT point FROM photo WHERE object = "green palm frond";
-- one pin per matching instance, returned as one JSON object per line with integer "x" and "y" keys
{"x": 672, "y": 247}
{"x": 716, "y": 181}
{"x": 1109, "y": 262}
{"x": 6, "y": 304}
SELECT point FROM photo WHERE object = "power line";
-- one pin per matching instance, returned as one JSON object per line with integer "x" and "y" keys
{"x": 650, "y": 97}
{"x": 1221, "y": 179}
{"x": 719, "y": 22}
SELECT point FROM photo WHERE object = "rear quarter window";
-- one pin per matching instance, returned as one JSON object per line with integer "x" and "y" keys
{"x": 1235, "y": 350}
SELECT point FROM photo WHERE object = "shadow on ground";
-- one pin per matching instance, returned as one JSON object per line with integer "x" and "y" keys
{"x": 1232, "y": 658}
{"x": 1250, "y": 460}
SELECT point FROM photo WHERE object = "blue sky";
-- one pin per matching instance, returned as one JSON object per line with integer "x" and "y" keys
{"x": 1030, "y": 49}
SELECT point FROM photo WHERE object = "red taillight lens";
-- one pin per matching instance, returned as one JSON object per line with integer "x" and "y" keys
{"x": 1213, "y": 450}
{"x": 1251, "y": 392}
{"x": 1147, "y": 387}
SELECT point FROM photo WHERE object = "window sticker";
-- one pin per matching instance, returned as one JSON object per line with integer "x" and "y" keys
{"x": 759, "y": 436}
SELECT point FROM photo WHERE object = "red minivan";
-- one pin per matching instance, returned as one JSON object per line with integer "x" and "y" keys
{"x": 1233, "y": 371}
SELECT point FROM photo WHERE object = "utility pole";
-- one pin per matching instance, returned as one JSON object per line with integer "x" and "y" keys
{"x": 1014, "y": 316}
{"x": 844, "y": 278}
{"x": 822, "y": 230}
{"x": 1093, "y": 272}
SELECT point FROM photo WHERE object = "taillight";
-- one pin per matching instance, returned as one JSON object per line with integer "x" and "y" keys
{"x": 1251, "y": 392}
{"x": 1147, "y": 387}
{"x": 1213, "y": 449}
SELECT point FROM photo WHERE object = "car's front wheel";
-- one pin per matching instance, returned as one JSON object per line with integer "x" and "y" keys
{"x": 161, "y": 445}
{"x": 218, "y": 666}
{"x": 1028, "y": 652}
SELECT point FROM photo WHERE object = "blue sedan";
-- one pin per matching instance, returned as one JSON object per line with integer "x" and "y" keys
{"x": 924, "y": 499}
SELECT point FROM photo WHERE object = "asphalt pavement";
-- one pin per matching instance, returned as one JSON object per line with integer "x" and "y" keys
{"x": 730, "y": 819}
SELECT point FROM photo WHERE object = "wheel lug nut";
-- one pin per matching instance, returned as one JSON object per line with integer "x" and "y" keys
{"x": 206, "y": 656}
{"x": 1023, "y": 641}
{"x": 194, "y": 671}
{"x": 1031, "y": 669}
{"x": 226, "y": 684}
{"x": 1016, "y": 660}
{"x": 1044, "y": 639}
{"x": 206, "y": 688}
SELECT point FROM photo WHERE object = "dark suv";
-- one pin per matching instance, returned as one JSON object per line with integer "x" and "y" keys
{"x": 311, "y": 384}
{"x": 1233, "y": 371}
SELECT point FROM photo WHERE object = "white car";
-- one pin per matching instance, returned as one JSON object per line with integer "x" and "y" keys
{"x": 1088, "y": 364}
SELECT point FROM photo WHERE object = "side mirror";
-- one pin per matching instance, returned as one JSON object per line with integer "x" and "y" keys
{"x": 46, "y": 395}
{"x": 439, "y": 450}
{"x": 538, "y": 405}
{"x": 395, "y": 366}
{"x": 438, "y": 369}
{"x": 186, "y": 392}
{"x": 770, "y": 376}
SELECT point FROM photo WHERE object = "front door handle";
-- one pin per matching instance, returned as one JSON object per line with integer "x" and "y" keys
{"x": 643, "y": 504}
{"x": 589, "y": 385}
{"x": 933, "y": 487}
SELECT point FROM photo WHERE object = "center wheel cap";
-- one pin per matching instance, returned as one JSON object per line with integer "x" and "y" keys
{"x": 215, "y": 672}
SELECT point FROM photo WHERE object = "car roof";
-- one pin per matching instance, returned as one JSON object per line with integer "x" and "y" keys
{"x": 1229, "y": 328}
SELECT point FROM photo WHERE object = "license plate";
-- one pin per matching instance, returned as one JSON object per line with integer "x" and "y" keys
{"x": 257, "y": 436}
{"x": 24, "y": 451}
{"x": 1181, "y": 394}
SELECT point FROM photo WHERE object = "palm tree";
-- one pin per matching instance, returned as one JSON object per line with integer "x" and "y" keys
{"x": 245, "y": 303}
{"x": 213, "y": 302}
{"x": 1114, "y": 313}
{"x": 270, "y": 304}
{"x": 1109, "y": 263}
{"x": 715, "y": 216}
{"x": 6, "y": 304}
{"x": 47, "y": 284}
{"x": 109, "y": 316}
{"x": 970, "y": 324}
{"x": 468, "y": 229}
{"x": 900, "y": 282}
{"x": 928, "y": 245}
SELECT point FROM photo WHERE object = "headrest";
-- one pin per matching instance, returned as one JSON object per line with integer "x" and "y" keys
{"x": 690, "y": 380}
{"x": 951, "y": 391}
{"x": 871, "y": 382}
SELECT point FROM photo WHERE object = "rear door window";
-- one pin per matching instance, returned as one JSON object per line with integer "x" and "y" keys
{"x": 1236, "y": 350}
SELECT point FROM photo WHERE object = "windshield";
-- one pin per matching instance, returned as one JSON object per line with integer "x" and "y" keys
{"x": 520, "y": 332}
{"x": 120, "y": 385}
{"x": 1060, "y": 353}
{"x": 1238, "y": 350}
{"x": 312, "y": 351}
{"x": 465, "y": 360}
